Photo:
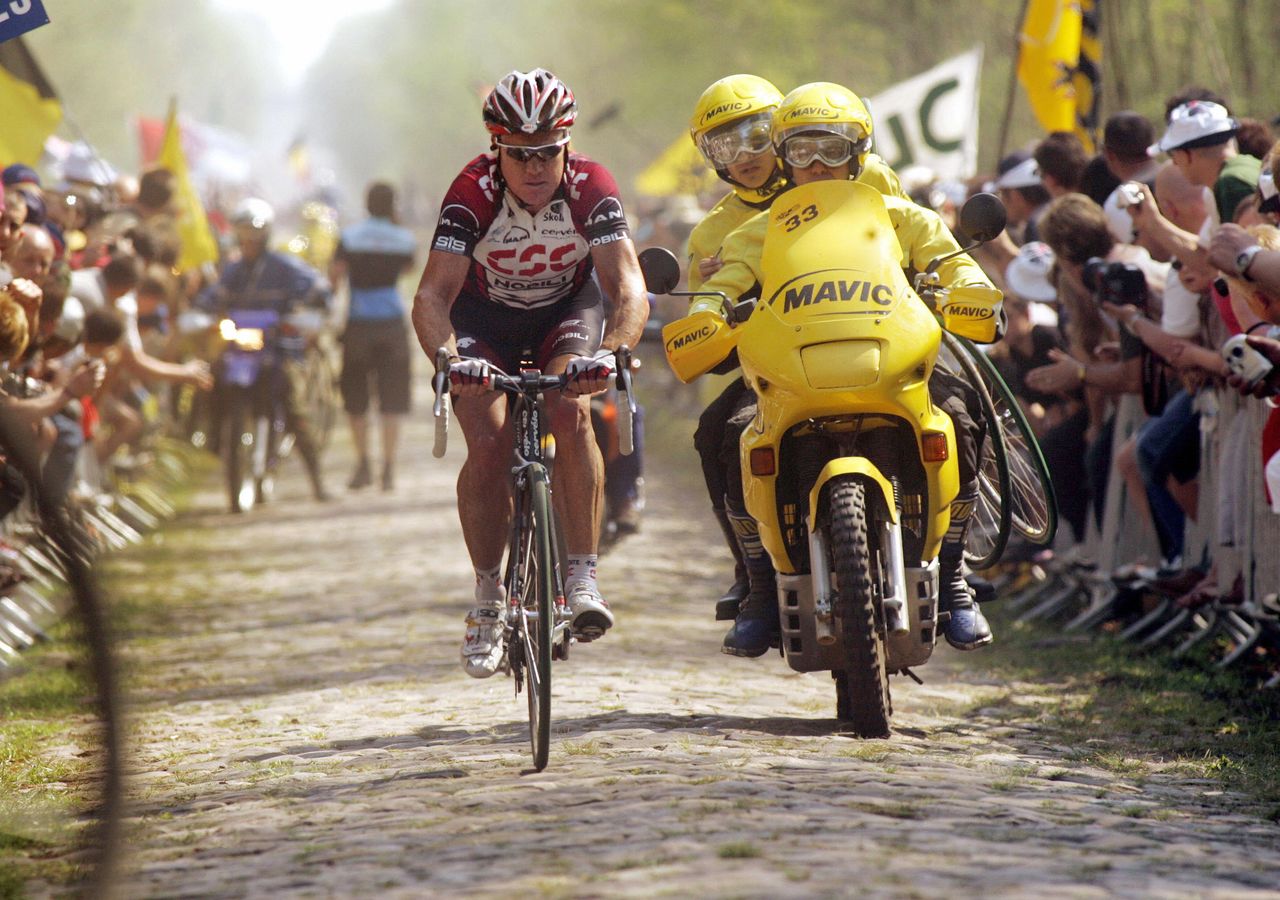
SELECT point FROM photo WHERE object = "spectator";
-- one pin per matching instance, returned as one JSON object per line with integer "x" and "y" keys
{"x": 1125, "y": 139}
{"x": 1025, "y": 199}
{"x": 1061, "y": 158}
{"x": 372, "y": 256}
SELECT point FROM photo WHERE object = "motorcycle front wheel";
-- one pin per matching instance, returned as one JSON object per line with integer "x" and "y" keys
{"x": 862, "y": 688}
{"x": 237, "y": 452}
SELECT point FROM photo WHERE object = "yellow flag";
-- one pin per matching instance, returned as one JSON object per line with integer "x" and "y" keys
{"x": 1049, "y": 53}
{"x": 198, "y": 244}
{"x": 680, "y": 169}
{"x": 29, "y": 107}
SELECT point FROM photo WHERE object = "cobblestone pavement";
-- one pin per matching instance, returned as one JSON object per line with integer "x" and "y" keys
{"x": 301, "y": 727}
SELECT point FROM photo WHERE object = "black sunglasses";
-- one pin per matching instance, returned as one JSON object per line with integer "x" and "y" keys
{"x": 546, "y": 152}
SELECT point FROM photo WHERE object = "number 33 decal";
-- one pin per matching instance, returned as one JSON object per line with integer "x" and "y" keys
{"x": 808, "y": 214}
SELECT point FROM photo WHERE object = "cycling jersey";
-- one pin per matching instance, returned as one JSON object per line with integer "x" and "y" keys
{"x": 522, "y": 259}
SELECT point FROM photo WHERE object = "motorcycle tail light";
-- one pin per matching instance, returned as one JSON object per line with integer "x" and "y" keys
{"x": 933, "y": 446}
{"x": 763, "y": 461}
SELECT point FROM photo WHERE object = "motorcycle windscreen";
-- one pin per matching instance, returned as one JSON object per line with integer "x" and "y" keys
{"x": 830, "y": 250}
{"x": 240, "y": 368}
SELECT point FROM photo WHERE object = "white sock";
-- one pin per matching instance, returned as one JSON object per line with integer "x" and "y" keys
{"x": 581, "y": 569}
{"x": 489, "y": 591}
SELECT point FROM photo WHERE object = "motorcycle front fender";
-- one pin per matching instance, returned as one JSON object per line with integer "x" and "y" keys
{"x": 852, "y": 465}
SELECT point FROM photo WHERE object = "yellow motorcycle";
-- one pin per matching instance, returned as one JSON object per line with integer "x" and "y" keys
{"x": 848, "y": 467}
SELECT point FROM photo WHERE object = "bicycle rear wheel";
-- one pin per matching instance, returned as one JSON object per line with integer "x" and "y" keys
{"x": 1032, "y": 502}
{"x": 992, "y": 513}
{"x": 537, "y": 612}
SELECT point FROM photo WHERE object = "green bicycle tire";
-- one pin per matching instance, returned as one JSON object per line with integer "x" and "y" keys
{"x": 538, "y": 616}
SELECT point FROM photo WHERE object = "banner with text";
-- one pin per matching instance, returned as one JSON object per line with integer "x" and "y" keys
{"x": 17, "y": 17}
{"x": 932, "y": 119}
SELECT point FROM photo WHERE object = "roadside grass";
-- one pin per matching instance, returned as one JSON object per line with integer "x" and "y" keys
{"x": 48, "y": 723}
{"x": 1142, "y": 715}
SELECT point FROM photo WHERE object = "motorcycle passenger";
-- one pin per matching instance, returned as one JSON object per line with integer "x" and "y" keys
{"x": 509, "y": 269}
{"x": 822, "y": 131}
{"x": 731, "y": 126}
{"x": 266, "y": 279}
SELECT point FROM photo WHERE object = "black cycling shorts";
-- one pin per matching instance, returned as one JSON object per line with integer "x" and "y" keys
{"x": 503, "y": 335}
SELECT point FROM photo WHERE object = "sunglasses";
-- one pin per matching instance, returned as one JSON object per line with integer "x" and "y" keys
{"x": 729, "y": 143}
{"x": 833, "y": 150}
{"x": 546, "y": 152}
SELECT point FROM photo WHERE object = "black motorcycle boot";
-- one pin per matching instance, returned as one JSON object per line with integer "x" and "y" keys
{"x": 966, "y": 628}
{"x": 756, "y": 628}
{"x": 727, "y": 606}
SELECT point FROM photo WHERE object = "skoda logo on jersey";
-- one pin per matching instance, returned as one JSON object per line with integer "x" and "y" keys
{"x": 723, "y": 109}
{"x": 811, "y": 112}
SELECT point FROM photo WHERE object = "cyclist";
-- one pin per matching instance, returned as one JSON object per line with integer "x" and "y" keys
{"x": 509, "y": 270}
{"x": 266, "y": 279}
{"x": 822, "y": 131}
{"x": 731, "y": 125}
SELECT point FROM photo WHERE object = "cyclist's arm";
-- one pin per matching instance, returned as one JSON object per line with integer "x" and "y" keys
{"x": 621, "y": 279}
{"x": 441, "y": 282}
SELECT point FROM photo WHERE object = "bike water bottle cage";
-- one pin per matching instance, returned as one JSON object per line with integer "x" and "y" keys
{"x": 727, "y": 144}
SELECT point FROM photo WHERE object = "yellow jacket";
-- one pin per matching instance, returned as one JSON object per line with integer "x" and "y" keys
{"x": 922, "y": 235}
{"x": 732, "y": 212}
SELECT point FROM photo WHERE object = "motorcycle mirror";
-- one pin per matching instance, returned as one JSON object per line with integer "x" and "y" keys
{"x": 661, "y": 270}
{"x": 982, "y": 218}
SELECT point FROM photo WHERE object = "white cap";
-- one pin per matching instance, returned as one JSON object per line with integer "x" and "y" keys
{"x": 1024, "y": 174}
{"x": 1028, "y": 274}
{"x": 1200, "y": 123}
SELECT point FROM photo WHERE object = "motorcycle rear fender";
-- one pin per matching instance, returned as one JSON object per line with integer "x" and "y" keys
{"x": 697, "y": 343}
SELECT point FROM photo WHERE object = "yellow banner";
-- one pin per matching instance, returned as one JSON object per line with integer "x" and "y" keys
{"x": 1049, "y": 53}
{"x": 198, "y": 243}
{"x": 679, "y": 170}
{"x": 29, "y": 108}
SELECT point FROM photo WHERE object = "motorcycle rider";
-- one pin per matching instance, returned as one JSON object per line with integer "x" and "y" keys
{"x": 822, "y": 131}
{"x": 730, "y": 126}
{"x": 267, "y": 279}
{"x": 510, "y": 268}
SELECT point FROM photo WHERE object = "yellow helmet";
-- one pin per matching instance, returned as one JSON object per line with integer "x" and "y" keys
{"x": 821, "y": 106}
{"x": 729, "y": 99}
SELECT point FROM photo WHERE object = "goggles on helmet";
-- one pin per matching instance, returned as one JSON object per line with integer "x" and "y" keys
{"x": 544, "y": 152}
{"x": 725, "y": 145}
{"x": 833, "y": 150}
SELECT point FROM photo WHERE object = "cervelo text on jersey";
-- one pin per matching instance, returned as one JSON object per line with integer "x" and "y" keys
{"x": 528, "y": 259}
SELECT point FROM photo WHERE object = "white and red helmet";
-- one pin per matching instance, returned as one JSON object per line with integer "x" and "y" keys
{"x": 527, "y": 102}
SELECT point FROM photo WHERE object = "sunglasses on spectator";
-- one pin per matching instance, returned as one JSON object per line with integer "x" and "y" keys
{"x": 832, "y": 150}
{"x": 727, "y": 144}
{"x": 545, "y": 152}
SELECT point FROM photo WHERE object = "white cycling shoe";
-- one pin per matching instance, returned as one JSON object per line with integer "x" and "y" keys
{"x": 591, "y": 616}
{"x": 482, "y": 644}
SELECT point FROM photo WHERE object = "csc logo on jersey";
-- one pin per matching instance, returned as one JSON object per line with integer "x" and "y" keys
{"x": 532, "y": 261}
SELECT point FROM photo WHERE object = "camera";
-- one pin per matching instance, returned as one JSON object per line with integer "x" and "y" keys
{"x": 1117, "y": 283}
{"x": 1246, "y": 362}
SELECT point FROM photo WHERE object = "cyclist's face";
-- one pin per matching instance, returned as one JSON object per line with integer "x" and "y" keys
{"x": 820, "y": 171}
{"x": 754, "y": 170}
{"x": 536, "y": 180}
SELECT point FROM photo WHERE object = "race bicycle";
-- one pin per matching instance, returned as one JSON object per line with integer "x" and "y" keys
{"x": 536, "y": 622}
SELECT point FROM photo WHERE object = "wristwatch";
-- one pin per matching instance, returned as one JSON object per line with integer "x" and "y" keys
{"x": 1244, "y": 258}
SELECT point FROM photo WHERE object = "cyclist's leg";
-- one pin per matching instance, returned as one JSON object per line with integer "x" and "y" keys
{"x": 293, "y": 383}
{"x": 967, "y": 629}
{"x": 578, "y": 479}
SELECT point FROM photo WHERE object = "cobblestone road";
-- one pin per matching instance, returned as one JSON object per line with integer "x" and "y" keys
{"x": 301, "y": 727}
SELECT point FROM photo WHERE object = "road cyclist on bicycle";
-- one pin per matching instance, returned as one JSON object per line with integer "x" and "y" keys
{"x": 521, "y": 231}
{"x": 823, "y": 131}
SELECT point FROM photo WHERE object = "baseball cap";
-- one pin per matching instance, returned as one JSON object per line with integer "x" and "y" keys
{"x": 1024, "y": 174}
{"x": 1200, "y": 123}
{"x": 1028, "y": 273}
{"x": 19, "y": 173}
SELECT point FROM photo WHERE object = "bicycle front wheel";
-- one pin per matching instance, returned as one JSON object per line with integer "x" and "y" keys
{"x": 537, "y": 613}
{"x": 1032, "y": 501}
